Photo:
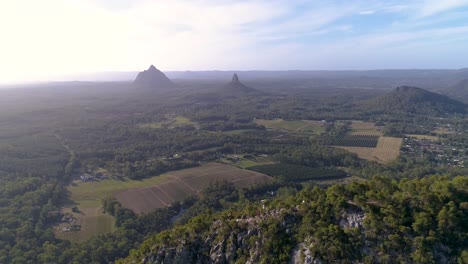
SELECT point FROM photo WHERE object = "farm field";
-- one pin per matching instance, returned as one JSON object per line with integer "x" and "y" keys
{"x": 315, "y": 127}
{"x": 92, "y": 221}
{"x": 443, "y": 131}
{"x": 387, "y": 149}
{"x": 299, "y": 173}
{"x": 183, "y": 183}
{"x": 434, "y": 138}
{"x": 366, "y": 141}
{"x": 86, "y": 196}
{"x": 364, "y": 128}
{"x": 144, "y": 195}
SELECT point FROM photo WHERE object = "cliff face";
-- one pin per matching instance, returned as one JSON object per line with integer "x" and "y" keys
{"x": 227, "y": 241}
{"x": 244, "y": 240}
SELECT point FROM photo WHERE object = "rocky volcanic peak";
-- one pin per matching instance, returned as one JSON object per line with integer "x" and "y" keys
{"x": 236, "y": 86}
{"x": 235, "y": 78}
{"x": 153, "y": 78}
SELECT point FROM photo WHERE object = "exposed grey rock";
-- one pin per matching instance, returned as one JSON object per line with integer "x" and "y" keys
{"x": 352, "y": 220}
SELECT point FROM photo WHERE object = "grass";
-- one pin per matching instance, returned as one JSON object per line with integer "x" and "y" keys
{"x": 93, "y": 222}
{"x": 235, "y": 132}
{"x": 151, "y": 125}
{"x": 244, "y": 163}
{"x": 87, "y": 197}
{"x": 387, "y": 149}
{"x": 364, "y": 128}
{"x": 184, "y": 183}
{"x": 89, "y": 194}
{"x": 443, "y": 131}
{"x": 434, "y": 138}
{"x": 170, "y": 122}
{"x": 183, "y": 120}
{"x": 309, "y": 126}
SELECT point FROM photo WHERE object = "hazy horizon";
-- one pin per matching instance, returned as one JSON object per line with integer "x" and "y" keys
{"x": 50, "y": 40}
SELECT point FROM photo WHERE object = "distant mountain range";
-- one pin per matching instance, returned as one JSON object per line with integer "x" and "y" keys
{"x": 392, "y": 77}
{"x": 448, "y": 82}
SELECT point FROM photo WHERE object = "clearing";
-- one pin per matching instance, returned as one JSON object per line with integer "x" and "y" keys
{"x": 183, "y": 183}
{"x": 87, "y": 198}
{"x": 93, "y": 221}
{"x": 364, "y": 128}
{"x": 245, "y": 161}
{"x": 388, "y": 149}
{"x": 144, "y": 195}
{"x": 307, "y": 126}
{"x": 434, "y": 138}
{"x": 170, "y": 122}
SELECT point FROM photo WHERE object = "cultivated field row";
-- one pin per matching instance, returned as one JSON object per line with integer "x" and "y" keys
{"x": 184, "y": 183}
{"x": 387, "y": 149}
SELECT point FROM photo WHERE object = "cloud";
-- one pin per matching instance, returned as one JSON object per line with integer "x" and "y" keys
{"x": 41, "y": 39}
{"x": 367, "y": 12}
{"x": 432, "y": 7}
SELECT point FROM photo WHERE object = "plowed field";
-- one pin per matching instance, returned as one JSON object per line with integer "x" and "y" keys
{"x": 183, "y": 183}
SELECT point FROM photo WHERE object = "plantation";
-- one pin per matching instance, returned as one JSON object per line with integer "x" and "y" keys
{"x": 184, "y": 183}
{"x": 366, "y": 141}
{"x": 387, "y": 149}
{"x": 298, "y": 173}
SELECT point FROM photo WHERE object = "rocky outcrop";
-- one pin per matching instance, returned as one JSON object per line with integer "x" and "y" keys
{"x": 352, "y": 220}
{"x": 153, "y": 78}
{"x": 226, "y": 242}
{"x": 235, "y": 78}
{"x": 303, "y": 255}
{"x": 236, "y": 86}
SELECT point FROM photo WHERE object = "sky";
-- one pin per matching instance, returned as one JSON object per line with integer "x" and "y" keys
{"x": 41, "y": 40}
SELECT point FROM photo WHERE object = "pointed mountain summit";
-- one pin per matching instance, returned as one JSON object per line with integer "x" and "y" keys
{"x": 235, "y": 78}
{"x": 236, "y": 86}
{"x": 153, "y": 78}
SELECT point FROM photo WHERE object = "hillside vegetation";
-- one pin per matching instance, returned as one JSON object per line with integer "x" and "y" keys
{"x": 375, "y": 221}
{"x": 406, "y": 100}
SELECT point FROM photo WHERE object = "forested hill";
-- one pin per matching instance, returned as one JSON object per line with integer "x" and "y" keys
{"x": 459, "y": 90}
{"x": 375, "y": 221}
{"x": 413, "y": 100}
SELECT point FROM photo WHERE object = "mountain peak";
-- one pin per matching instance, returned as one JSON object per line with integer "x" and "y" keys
{"x": 235, "y": 86}
{"x": 153, "y": 78}
{"x": 235, "y": 78}
{"x": 414, "y": 100}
